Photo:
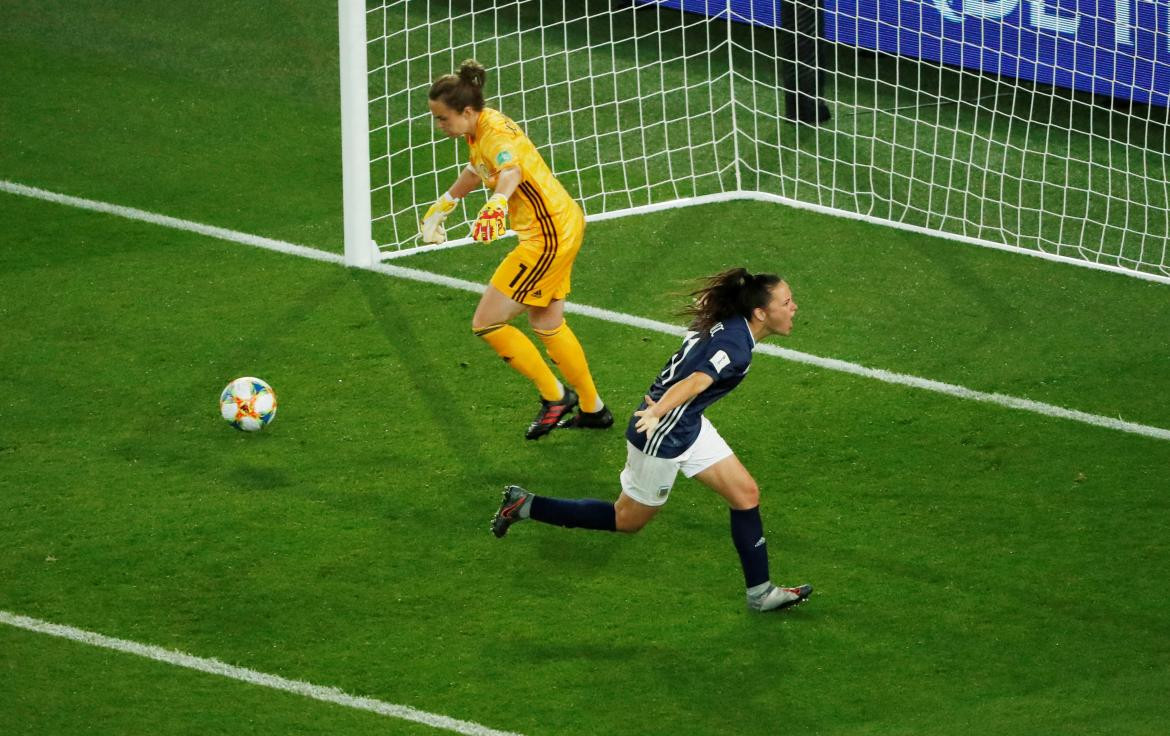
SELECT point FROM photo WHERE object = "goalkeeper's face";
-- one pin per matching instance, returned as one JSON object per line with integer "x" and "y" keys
{"x": 451, "y": 122}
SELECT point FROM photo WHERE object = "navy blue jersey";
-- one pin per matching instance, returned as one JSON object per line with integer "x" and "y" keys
{"x": 723, "y": 352}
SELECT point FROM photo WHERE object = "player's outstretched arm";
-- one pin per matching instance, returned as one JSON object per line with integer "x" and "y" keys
{"x": 431, "y": 226}
{"x": 676, "y": 395}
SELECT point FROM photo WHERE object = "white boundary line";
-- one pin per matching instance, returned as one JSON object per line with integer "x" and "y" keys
{"x": 252, "y": 677}
{"x": 414, "y": 274}
{"x": 171, "y": 222}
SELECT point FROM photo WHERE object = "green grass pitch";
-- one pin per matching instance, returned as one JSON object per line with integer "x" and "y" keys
{"x": 978, "y": 569}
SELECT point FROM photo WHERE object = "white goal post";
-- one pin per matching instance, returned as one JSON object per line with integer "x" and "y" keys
{"x": 360, "y": 248}
{"x": 640, "y": 105}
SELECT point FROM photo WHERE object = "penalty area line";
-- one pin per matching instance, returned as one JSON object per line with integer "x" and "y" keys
{"x": 252, "y": 677}
{"x": 414, "y": 274}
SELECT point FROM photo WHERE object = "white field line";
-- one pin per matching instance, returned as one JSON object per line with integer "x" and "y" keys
{"x": 414, "y": 274}
{"x": 275, "y": 682}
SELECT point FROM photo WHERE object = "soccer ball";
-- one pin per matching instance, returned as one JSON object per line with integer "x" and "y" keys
{"x": 248, "y": 404}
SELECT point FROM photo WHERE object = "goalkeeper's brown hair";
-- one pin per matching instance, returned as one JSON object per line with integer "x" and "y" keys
{"x": 734, "y": 292}
{"x": 463, "y": 89}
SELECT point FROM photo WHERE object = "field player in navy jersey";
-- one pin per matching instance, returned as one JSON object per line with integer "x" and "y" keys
{"x": 668, "y": 432}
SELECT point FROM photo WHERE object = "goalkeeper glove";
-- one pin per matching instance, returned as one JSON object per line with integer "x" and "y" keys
{"x": 432, "y": 222}
{"x": 492, "y": 221}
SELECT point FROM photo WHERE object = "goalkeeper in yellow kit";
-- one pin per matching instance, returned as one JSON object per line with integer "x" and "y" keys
{"x": 534, "y": 276}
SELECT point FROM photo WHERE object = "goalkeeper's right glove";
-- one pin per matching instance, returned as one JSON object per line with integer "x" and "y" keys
{"x": 432, "y": 223}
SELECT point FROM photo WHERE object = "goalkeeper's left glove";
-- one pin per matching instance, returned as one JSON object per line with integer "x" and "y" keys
{"x": 432, "y": 222}
{"x": 492, "y": 221}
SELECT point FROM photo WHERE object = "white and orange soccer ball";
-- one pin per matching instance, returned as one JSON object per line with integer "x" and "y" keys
{"x": 248, "y": 404}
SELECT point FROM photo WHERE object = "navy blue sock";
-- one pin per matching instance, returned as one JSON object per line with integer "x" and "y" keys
{"x": 747, "y": 532}
{"x": 586, "y": 513}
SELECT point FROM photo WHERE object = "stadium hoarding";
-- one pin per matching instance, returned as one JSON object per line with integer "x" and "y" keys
{"x": 1118, "y": 48}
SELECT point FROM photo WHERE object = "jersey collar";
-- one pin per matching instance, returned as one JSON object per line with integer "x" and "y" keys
{"x": 748, "y": 326}
{"x": 473, "y": 137}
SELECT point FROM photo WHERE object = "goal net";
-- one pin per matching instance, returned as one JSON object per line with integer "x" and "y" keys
{"x": 640, "y": 105}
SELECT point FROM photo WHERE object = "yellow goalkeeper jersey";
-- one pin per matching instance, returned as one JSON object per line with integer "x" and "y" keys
{"x": 540, "y": 203}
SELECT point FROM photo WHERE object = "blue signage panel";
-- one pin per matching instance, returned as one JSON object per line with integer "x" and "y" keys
{"x": 1119, "y": 48}
{"x": 759, "y": 12}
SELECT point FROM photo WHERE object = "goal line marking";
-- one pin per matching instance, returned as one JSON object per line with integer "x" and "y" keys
{"x": 275, "y": 682}
{"x": 413, "y": 274}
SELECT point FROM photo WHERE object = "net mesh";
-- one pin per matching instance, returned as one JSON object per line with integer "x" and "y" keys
{"x": 643, "y": 103}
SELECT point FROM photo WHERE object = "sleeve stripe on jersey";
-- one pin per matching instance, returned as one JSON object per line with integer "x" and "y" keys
{"x": 663, "y": 429}
{"x": 549, "y": 232}
{"x": 671, "y": 421}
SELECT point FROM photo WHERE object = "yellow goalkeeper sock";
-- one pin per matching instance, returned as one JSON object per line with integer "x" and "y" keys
{"x": 566, "y": 352}
{"x": 519, "y": 352}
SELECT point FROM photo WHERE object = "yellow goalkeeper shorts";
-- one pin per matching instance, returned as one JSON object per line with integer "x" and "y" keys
{"x": 537, "y": 270}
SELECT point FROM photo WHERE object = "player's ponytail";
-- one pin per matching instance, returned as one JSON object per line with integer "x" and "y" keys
{"x": 461, "y": 90}
{"x": 728, "y": 294}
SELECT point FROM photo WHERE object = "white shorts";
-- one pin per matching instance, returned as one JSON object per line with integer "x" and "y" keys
{"x": 648, "y": 479}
